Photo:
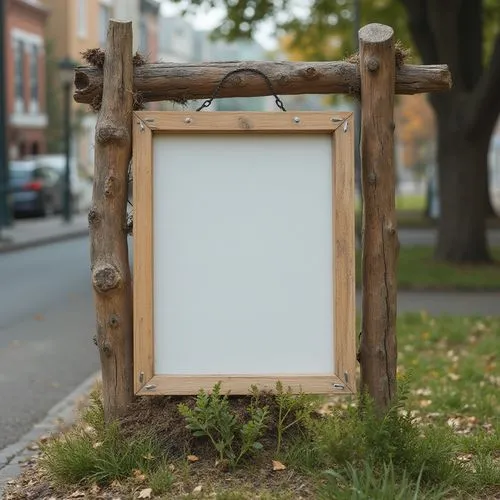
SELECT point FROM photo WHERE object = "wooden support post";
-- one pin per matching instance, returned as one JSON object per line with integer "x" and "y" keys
{"x": 107, "y": 218}
{"x": 378, "y": 348}
{"x": 173, "y": 81}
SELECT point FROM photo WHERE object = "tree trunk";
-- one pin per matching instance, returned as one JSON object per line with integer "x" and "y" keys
{"x": 185, "y": 81}
{"x": 462, "y": 176}
{"x": 378, "y": 347}
{"x": 108, "y": 224}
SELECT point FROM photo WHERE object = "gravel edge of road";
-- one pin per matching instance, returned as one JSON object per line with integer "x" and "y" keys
{"x": 12, "y": 457}
{"x": 14, "y": 247}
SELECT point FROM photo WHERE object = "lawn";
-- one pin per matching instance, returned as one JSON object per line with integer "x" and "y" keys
{"x": 417, "y": 269}
{"x": 441, "y": 439}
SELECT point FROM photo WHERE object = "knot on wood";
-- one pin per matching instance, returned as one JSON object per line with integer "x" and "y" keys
{"x": 114, "y": 321}
{"x": 111, "y": 133}
{"x": 372, "y": 178}
{"x": 94, "y": 217}
{"x": 106, "y": 277}
{"x": 311, "y": 73}
{"x": 372, "y": 64}
{"x": 244, "y": 123}
{"x": 110, "y": 186}
{"x": 391, "y": 230}
{"x": 106, "y": 348}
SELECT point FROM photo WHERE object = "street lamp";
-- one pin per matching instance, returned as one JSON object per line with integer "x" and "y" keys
{"x": 66, "y": 72}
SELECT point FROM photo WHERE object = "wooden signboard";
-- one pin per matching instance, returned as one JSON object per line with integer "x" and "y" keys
{"x": 243, "y": 252}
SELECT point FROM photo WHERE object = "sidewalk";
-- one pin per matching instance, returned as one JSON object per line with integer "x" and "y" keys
{"x": 26, "y": 233}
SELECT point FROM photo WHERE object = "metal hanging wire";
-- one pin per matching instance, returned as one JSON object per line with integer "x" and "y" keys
{"x": 278, "y": 101}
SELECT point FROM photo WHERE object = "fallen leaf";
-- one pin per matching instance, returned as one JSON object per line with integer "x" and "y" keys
{"x": 145, "y": 493}
{"x": 77, "y": 494}
{"x": 453, "y": 376}
{"x": 192, "y": 458}
{"x": 278, "y": 465}
{"x": 139, "y": 475}
{"x": 425, "y": 402}
{"x": 197, "y": 490}
{"x": 96, "y": 445}
{"x": 464, "y": 457}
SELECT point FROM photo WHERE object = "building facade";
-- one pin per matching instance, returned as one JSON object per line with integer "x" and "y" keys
{"x": 25, "y": 77}
{"x": 75, "y": 26}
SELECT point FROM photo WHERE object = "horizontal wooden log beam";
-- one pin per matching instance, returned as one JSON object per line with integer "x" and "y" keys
{"x": 184, "y": 82}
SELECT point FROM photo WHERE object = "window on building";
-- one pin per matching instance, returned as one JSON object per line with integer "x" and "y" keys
{"x": 81, "y": 18}
{"x": 34, "y": 76}
{"x": 104, "y": 17}
{"x": 19, "y": 74}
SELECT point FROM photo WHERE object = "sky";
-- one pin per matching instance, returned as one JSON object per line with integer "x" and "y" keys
{"x": 207, "y": 19}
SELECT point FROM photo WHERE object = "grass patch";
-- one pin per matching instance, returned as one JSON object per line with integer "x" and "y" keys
{"x": 441, "y": 439}
{"x": 417, "y": 268}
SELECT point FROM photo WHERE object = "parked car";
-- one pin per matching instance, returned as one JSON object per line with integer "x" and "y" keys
{"x": 81, "y": 187}
{"x": 34, "y": 189}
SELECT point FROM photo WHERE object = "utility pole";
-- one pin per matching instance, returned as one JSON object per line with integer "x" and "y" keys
{"x": 4, "y": 160}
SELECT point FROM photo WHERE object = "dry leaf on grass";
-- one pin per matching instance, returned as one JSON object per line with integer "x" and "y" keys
{"x": 278, "y": 465}
{"x": 139, "y": 475}
{"x": 192, "y": 458}
{"x": 145, "y": 493}
{"x": 197, "y": 490}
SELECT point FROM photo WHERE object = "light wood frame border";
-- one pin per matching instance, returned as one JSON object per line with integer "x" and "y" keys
{"x": 340, "y": 126}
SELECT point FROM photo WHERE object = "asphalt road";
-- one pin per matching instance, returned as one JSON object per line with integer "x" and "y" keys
{"x": 46, "y": 329}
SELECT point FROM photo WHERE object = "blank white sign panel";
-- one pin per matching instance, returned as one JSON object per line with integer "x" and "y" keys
{"x": 243, "y": 254}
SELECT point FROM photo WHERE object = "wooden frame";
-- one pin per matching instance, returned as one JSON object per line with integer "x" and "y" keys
{"x": 340, "y": 126}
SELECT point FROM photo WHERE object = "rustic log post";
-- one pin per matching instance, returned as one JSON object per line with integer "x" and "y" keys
{"x": 378, "y": 347}
{"x": 107, "y": 218}
{"x": 174, "y": 81}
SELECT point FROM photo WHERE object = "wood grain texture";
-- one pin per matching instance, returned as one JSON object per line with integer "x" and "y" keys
{"x": 378, "y": 349}
{"x": 184, "y": 82}
{"x": 238, "y": 122}
{"x": 109, "y": 254}
{"x": 143, "y": 248}
{"x": 146, "y": 125}
{"x": 241, "y": 385}
{"x": 344, "y": 253}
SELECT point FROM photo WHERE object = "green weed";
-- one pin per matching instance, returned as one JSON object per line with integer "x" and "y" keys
{"x": 367, "y": 482}
{"x": 212, "y": 417}
{"x": 98, "y": 452}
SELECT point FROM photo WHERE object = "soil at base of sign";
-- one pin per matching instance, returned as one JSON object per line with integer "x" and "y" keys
{"x": 193, "y": 461}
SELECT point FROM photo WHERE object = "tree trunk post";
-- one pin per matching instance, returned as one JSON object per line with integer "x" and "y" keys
{"x": 110, "y": 269}
{"x": 188, "y": 81}
{"x": 378, "y": 347}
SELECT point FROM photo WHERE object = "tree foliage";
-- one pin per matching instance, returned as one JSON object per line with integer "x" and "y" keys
{"x": 416, "y": 130}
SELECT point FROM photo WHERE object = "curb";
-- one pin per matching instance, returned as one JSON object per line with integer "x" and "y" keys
{"x": 13, "y": 247}
{"x": 13, "y": 455}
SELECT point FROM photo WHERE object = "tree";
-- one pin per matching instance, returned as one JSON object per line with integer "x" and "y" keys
{"x": 415, "y": 129}
{"x": 461, "y": 33}
{"x": 452, "y": 31}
